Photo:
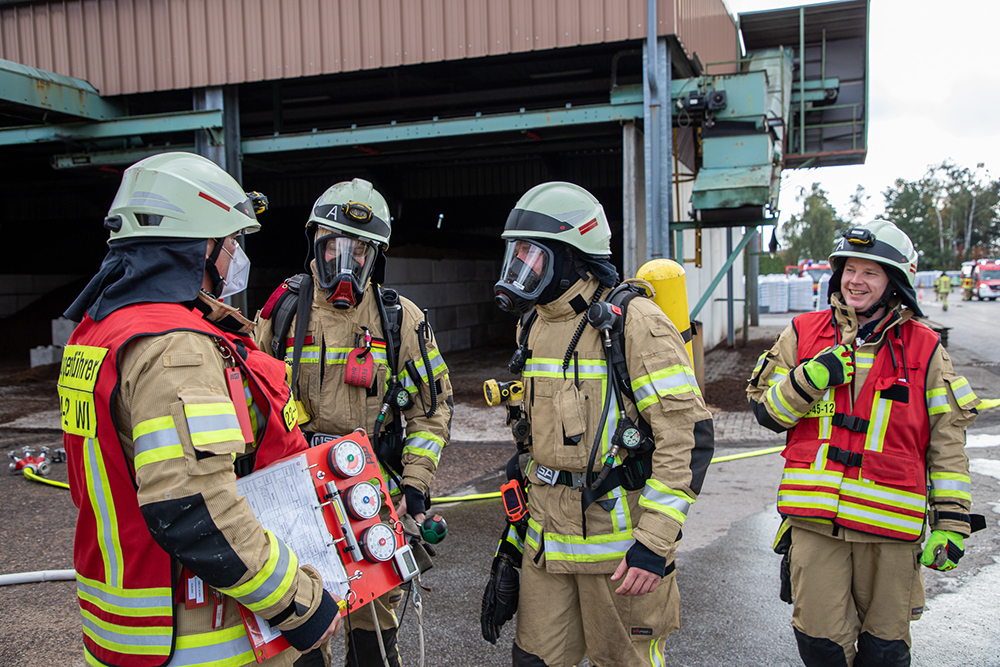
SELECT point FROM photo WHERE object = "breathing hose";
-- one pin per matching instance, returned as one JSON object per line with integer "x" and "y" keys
{"x": 424, "y": 329}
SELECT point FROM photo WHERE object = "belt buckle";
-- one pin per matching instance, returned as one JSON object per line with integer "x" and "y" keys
{"x": 577, "y": 479}
{"x": 547, "y": 475}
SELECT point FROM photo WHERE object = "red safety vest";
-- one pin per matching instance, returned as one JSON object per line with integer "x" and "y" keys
{"x": 123, "y": 576}
{"x": 863, "y": 469}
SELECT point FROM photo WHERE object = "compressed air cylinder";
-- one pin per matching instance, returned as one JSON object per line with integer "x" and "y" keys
{"x": 667, "y": 278}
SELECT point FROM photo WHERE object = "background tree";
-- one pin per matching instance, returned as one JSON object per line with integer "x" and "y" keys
{"x": 950, "y": 214}
{"x": 811, "y": 234}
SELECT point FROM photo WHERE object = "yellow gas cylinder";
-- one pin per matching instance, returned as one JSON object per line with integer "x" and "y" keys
{"x": 667, "y": 278}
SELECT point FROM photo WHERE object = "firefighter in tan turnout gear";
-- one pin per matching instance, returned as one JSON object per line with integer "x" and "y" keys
{"x": 614, "y": 461}
{"x": 365, "y": 358}
{"x": 876, "y": 422}
{"x": 156, "y": 388}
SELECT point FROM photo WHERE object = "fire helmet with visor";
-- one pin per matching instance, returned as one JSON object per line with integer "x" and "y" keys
{"x": 882, "y": 242}
{"x": 559, "y": 212}
{"x": 348, "y": 230}
{"x": 184, "y": 195}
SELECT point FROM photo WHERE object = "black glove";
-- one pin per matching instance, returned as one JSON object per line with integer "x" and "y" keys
{"x": 500, "y": 597}
{"x": 415, "y": 501}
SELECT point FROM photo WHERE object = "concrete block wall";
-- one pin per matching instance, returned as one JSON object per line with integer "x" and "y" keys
{"x": 19, "y": 290}
{"x": 458, "y": 296}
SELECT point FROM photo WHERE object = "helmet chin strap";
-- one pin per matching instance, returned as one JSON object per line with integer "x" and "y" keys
{"x": 881, "y": 303}
{"x": 213, "y": 271}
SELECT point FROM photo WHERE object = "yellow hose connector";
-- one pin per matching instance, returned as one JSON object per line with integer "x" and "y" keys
{"x": 667, "y": 278}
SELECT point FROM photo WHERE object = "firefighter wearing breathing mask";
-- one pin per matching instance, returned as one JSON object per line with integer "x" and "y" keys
{"x": 157, "y": 386}
{"x": 363, "y": 351}
{"x": 875, "y": 460}
{"x": 596, "y": 553}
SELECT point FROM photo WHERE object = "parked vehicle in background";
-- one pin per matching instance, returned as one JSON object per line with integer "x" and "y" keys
{"x": 986, "y": 279}
{"x": 814, "y": 270}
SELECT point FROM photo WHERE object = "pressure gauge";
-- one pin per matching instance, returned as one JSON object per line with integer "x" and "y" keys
{"x": 631, "y": 437}
{"x": 363, "y": 501}
{"x": 378, "y": 543}
{"x": 346, "y": 459}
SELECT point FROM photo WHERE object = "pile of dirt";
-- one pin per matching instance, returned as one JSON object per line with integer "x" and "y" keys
{"x": 729, "y": 394}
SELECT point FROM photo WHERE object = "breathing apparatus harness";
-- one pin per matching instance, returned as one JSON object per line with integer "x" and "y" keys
{"x": 387, "y": 440}
{"x": 608, "y": 317}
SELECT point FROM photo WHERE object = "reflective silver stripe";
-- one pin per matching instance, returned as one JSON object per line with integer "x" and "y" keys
{"x": 273, "y": 581}
{"x": 950, "y": 485}
{"x": 423, "y": 443}
{"x": 211, "y": 653}
{"x": 166, "y": 437}
{"x": 532, "y": 535}
{"x": 829, "y": 478}
{"x": 962, "y": 393}
{"x": 97, "y": 484}
{"x": 678, "y": 380}
{"x": 333, "y": 357}
{"x": 585, "y": 551}
{"x": 666, "y": 499}
{"x": 937, "y": 402}
{"x": 866, "y": 491}
{"x": 307, "y": 355}
{"x": 877, "y": 425}
{"x": 208, "y": 423}
{"x": 777, "y": 402}
{"x": 784, "y": 497}
{"x": 891, "y": 519}
{"x": 437, "y": 361}
{"x": 125, "y": 639}
{"x": 112, "y": 600}
{"x": 536, "y": 368}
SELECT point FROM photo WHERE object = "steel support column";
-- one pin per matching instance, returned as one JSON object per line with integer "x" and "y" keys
{"x": 722, "y": 272}
{"x": 633, "y": 196}
{"x": 657, "y": 142}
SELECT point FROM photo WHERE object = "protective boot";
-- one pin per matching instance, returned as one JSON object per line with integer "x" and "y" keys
{"x": 820, "y": 652}
{"x": 875, "y": 652}
{"x": 362, "y": 648}
{"x": 522, "y": 658}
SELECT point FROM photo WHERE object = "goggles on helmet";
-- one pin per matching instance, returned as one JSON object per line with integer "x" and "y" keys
{"x": 341, "y": 258}
{"x": 526, "y": 270}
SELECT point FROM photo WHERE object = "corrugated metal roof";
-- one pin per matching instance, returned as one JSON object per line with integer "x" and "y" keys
{"x": 780, "y": 27}
{"x": 134, "y": 46}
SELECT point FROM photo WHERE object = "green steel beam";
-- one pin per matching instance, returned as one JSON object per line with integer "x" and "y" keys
{"x": 47, "y": 90}
{"x": 113, "y": 158}
{"x": 722, "y": 272}
{"x": 435, "y": 129}
{"x": 184, "y": 121}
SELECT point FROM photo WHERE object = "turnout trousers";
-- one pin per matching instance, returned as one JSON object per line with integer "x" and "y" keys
{"x": 563, "y": 617}
{"x": 844, "y": 591}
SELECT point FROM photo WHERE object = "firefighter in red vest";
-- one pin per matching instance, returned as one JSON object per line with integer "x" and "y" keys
{"x": 876, "y": 419}
{"x": 165, "y": 401}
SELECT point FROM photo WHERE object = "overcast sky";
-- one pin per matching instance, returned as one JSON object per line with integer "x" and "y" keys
{"x": 934, "y": 95}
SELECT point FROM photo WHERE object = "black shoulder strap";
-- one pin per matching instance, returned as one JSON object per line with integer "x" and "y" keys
{"x": 302, "y": 307}
{"x": 281, "y": 316}
{"x": 621, "y": 296}
{"x": 391, "y": 313}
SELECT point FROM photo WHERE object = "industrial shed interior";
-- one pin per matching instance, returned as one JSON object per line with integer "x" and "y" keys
{"x": 452, "y": 108}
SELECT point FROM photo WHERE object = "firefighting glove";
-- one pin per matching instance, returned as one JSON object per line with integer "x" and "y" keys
{"x": 416, "y": 502}
{"x": 502, "y": 591}
{"x": 832, "y": 367}
{"x": 943, "y": 550}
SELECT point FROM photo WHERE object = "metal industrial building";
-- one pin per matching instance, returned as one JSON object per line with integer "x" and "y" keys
{"x": 677, "y": 115}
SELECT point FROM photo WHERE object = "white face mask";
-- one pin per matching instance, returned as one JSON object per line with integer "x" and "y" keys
{"x": 238, "y": 274}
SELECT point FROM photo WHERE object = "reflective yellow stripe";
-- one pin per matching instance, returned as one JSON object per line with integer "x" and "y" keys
{"x": 132, "y": 602}
{"x": 105, "y": 516}
{"x": 670, "y": 381}
{"x": 273, "y": 580}
{"x": 878, "y": 422}
{"x": 212, "y": 423}
{"x": 937, "y": 401}
{"x": 423, "y": 443}
{"x": 659, "y": 497}
{"x": 156, "y": 440}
